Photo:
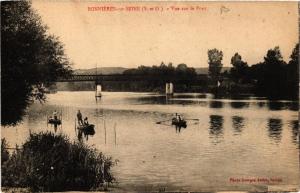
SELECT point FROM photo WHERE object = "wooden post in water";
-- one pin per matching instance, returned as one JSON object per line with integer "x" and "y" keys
{"x": 75, "y": 128}
{"x": 61, "y": 119}
{"x": 115, "y": 133}
{"x": 104, "y": 132}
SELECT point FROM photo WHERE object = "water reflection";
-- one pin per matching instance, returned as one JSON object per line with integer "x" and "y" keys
{"x": 237, "y": 124}
{"x": 261, "y": 104}
{"x": 279, "y": 105}
{"x": 216, "y": 104}
{"x": 55, "y": 127}
{"x": 239, "y": 105}
{"x": 232, "y": 96}
{"x": 198, "y": 96}
{"x": 275, "y": 105}
{"x": 275, "y": 129}
{"x": 294, "y": 125}
{"x": 178, "y": 128}
{"x": 85, "y": 131}
{"x": 294, "y": 106}
{"x": 151, "y": 99}
{"x": 99, "y": 113}
{"x": 216, "y": 127}
{"x": 169, "y": 99}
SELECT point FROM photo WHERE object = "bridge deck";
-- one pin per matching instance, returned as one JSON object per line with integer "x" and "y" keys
{"x": 122, "y": 77}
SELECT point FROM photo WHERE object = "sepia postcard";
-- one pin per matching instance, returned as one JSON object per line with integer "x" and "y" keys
{"x": 142, "y": 96}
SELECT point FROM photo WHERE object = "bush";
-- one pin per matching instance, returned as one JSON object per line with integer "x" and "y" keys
{"x": 48, "y": 162}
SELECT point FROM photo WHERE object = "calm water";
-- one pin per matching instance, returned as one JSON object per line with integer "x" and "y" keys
{"x": 234, "y": 138}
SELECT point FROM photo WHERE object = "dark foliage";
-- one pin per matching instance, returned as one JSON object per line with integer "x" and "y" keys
{"x": 48, "y": 162}
{"x": 273, "y": 77}
{"x": 240, "y": 70}
{"x": 293, "y": 73}
{"x": 182, "y": 75}
{"x": 31, "y": 59}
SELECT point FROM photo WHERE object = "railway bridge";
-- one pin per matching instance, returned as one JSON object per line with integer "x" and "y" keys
{"x": 199, "y": 80}
{"x": 122, "y": 77}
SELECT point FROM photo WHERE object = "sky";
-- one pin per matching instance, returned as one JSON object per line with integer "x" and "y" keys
{"x": 120, "y": 38}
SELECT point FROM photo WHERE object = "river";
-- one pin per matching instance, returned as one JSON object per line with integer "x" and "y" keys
{"x": 241, "y": 138}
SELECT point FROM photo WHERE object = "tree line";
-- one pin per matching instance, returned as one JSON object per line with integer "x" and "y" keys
{"x": 182, "y": 71}
{"x": 183, "y": 76}
{"x": 273, "y": 77}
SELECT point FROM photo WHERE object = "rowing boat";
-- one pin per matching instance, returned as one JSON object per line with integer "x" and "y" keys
{"x": 54, "y": 121}
{"x": 179, "y": 123}
{"x": 87, "y": 129}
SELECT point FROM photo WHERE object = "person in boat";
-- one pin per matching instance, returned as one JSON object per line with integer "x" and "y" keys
{"x": 79, "y": 118}
{"x": 179, "y": 118}
{"x": 176, "y": 116}
{"x": 86, "y": 122}
{"x": 55, "y": 115}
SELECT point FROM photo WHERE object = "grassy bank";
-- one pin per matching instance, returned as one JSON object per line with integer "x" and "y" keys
{"x": 49, "y": 162}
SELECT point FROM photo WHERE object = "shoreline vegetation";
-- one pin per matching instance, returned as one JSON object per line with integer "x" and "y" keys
{"x": 50, "y": 162}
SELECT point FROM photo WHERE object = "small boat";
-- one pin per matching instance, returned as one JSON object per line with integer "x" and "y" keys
{"x": 87, "y": 129}
{"x": 54, "y": 121}
{"x": 179, "y": 123}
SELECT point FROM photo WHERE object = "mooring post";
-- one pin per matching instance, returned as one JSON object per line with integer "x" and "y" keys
{"x": 105, "y": 132}
{"x": 115, "y": 133}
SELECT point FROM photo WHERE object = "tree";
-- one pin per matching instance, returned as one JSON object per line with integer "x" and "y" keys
{"x": 273, "y": 81}
{"x": 293, "y": 72}
{"x": 31, "y": 59}
{"x": 240, "y": 68}
{"x": 182, "y": 67}
{"x": 215, "y": 63}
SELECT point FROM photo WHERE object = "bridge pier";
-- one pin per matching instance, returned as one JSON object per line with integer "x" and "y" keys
{"x": 169, "y": 89}
{"x": 98, "y": 90}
